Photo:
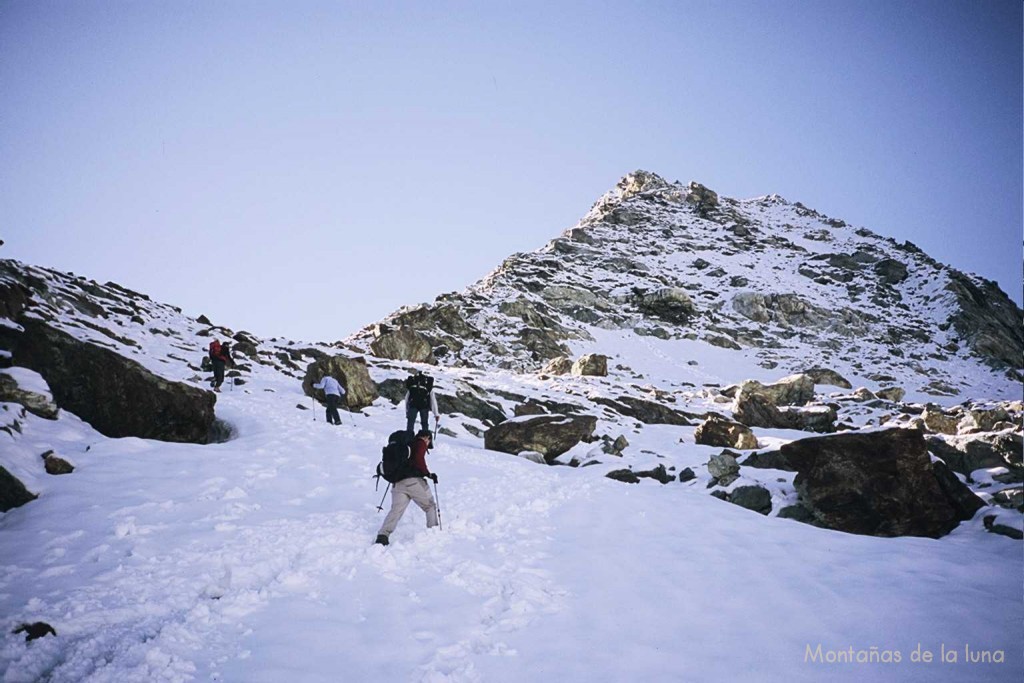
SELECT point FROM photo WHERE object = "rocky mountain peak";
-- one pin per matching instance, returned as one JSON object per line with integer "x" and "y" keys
{"x": 764, "y": 278}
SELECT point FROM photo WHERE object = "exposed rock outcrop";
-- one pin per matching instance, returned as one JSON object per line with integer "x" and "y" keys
{"x": 469, "y": 404}
{"x": 561, "y": 365}
{"x": 12, "y": 492}
{"x": 877, "y": 483}
{"x": 757, "y": 410}
{"x": 965, "y": 454}
{"x": 403, "y": 344}
{"x": 56, "y": 465}
{"x": 35, "y": 402}
{"x": 794, "y": 390}
{"x": 594, "y": 364}
{"x": 670, "y": 304}
{"x": 826, "y": 376}
{"x": 550, "y": 435}
{"x": 718, "y": 431}
{"x": 990, "y": 322}
{"x": 116, "y": 395}
{"x": 648, "y": 412}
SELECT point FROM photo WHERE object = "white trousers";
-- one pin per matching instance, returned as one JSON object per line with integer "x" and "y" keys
{"x": 415, "y": 489}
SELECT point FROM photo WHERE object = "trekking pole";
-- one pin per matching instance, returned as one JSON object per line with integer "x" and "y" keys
{"x": 380, "y": 508}
{"x": 437, "y": 502}
{"x": 313, "y": 400}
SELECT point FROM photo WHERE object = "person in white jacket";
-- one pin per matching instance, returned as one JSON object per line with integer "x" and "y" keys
{"x": 332, "y": 393}
{"x": 419, "y": 398}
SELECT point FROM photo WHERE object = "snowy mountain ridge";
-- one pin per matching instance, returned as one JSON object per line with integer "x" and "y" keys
{"x": 764, "y": 277}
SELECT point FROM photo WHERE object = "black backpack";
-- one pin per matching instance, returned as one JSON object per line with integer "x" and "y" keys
{"x": 394, "y": 461}
{"x": 419, "y": 387}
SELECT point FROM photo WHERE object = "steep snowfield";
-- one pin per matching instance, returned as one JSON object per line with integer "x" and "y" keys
{"x": 251, "y": 560}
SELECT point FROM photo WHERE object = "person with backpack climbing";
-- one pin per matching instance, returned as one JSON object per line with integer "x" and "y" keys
{"x": 333, "y": 391}
{"x": 220, "y": 357}
{"x": 419, "y": 398}
{"x": 410, "y": 484}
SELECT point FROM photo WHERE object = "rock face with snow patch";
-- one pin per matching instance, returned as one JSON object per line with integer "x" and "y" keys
{"x": 594, "y": 364}
{"x": 757, "y": 410}
{"x": 34, "y": 402}
{"x": 12, "y": 492}
{"x": 718, "y": 431}
{"x": 648, "y": 412}
{"x": 116, "y": 395}
{"x": 469, "y": 404}
{"x": 877, "y": 483}
{"x": 403, "y": 344}
{"x": 965, "y": 454}
{"x": 550, "y": 435}
{"x": 795, "y": 390}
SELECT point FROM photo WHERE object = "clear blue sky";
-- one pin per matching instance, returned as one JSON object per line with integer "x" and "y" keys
{"x": 278, "y": 165}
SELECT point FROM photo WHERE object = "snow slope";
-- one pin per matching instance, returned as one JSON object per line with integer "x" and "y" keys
{"x": 251, "y": 560}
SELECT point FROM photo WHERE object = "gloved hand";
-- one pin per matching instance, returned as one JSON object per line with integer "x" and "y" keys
{"x": 433, "y": 476}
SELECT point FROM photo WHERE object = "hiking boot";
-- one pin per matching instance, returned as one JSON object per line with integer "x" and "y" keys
{"x": 382, "y": 539}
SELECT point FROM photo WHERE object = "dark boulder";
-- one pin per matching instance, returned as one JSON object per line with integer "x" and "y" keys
{"x": 1011, "y": 497}
{"x": 658, "y": 473}
{"x": 392, "y": 389}
{"x": 959, "y": 496}
{"x": 876, "y": 483}
{"x": 890, "y": 271}
{"x": 35, "y": 630}
{"x": 1002, "y": 529}
{"x": 625, "y": 475}
{"x": 55, "y": 464}
{"x": 798, "y": 513}
{"x": 756, "y": 498}
{"x": 531, "y": 407}
{"x": 12, "y": 492}
{"x": 550, "y": 435}
{"x": 768, "y": 460}
{"x": 116, "y": 395}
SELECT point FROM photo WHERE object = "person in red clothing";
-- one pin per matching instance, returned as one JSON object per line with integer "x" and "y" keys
{"x": 412, "y": 487}
{"x": 220, "y": 356}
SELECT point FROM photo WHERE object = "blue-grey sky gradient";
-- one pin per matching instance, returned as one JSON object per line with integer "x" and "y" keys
{"x": 301, "y": 169}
